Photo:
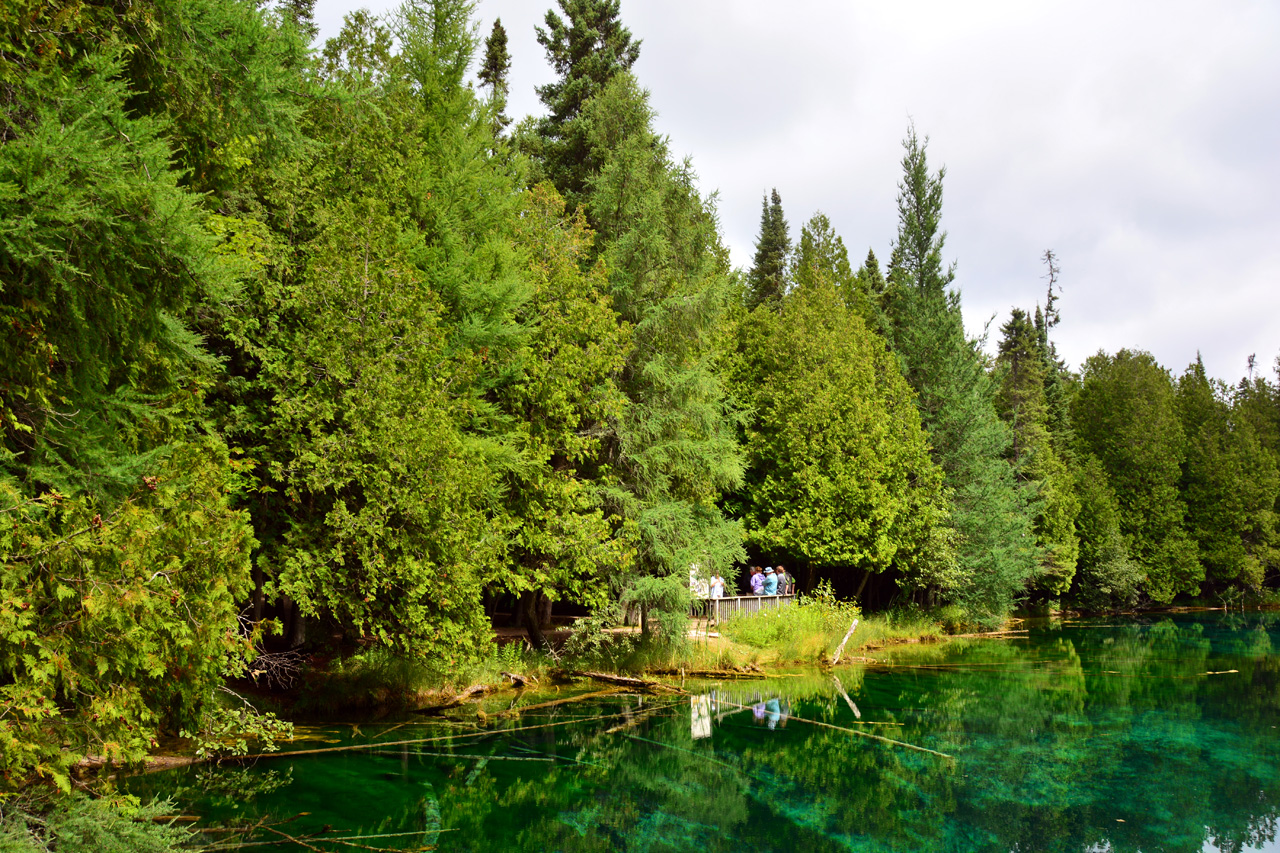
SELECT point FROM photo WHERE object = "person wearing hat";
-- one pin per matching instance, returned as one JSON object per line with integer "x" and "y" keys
{"x": 770, "y": 581}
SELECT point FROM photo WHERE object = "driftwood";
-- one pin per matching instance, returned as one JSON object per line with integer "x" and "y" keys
{"x": 712, "y": 673}
{"x": 847, "y": 635}
{"x": 470, "y": 693}
{"x": 565, "y": 701}
{"x": 518, "y": 680}
{"x": 634, "y": 683}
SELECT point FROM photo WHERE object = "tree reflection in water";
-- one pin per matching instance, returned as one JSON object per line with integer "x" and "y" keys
{"x": 1077, "y": 737}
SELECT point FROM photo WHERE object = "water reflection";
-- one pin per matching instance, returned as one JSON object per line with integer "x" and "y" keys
{"x": 1126, "y": 736}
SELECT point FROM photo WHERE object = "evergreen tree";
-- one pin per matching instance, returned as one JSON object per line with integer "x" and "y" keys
{"x": 839, "y": 473}
{"x": 383, "y": 338}
{"x": 1107, "y": 576}
{"x": 1125, "y": 414}
{"x": 493, "y": 73}
{"x": 562, "y": 404}
{"x": 586, "y": 49}
{"x": 1229, "y": 483}
{"x": 673, "y": 451}
{"x": 1022, "y": 365}
{"x": 992, "y": 515}
{"x": 122, "y": 557}
{"x": 767, "y": 279}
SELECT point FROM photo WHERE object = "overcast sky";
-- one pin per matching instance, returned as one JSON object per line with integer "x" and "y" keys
{"x": 1139, "y": 141}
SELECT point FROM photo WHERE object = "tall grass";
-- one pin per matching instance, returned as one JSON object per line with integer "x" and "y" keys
{"x": 811, "y": 629}
{"x": 806, "y": 631}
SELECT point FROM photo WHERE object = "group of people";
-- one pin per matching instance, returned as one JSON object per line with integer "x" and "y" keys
{"x": 771, "y": 580}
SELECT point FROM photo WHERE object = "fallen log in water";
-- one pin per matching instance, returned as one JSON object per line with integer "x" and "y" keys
{"x": 460, "y": 699}
{"x": 713, "y": 673}
{"x": 626, "y": 681}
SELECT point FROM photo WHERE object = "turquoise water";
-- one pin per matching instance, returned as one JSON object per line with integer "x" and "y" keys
{"x": 1157, "y": 735}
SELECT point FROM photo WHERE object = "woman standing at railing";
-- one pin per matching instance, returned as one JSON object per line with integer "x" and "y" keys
{"x": 757, "y": 581}
{"x": 786, "y": 583}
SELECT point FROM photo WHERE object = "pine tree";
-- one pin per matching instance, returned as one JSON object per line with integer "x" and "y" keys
{"x": 586, "y": 49}
{"x": 767, "y": 279}
{"x": 674, "y": 450}
{"x": 1022, "y": 364}
{"x": 955, "y": 395}
{"x": 493, "y": 73}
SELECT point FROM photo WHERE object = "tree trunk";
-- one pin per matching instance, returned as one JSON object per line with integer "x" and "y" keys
{"x": 644, "y": 620}
{"x": 866, "y": 577}
{"x": 528, "y": 614}
{"x": 259, "y": 600}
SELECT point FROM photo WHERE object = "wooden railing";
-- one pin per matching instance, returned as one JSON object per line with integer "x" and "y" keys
{"x": 720, "y": 609}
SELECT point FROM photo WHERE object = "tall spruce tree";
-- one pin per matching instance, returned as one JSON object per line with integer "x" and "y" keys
{"x": 991, "y": 513}
{"x": 1022, "y": 364}
{"x": 586, "y": 48}
{"x": 767, "y": 279}
{"x": 493, "y": 74}
{"x": 674, "y": 450}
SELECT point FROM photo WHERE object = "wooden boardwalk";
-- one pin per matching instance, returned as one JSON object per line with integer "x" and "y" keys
{"x": 720, "y": 609}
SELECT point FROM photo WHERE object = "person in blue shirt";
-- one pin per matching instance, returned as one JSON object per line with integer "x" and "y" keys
{"x": 770, "y": 581}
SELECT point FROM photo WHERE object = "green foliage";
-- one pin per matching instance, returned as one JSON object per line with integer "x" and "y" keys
{"x": 767, "y": 279}
{"x": 117, "y": 621}
{"x": 991, "y": 514}
{"x": 1107, "y": 576}
{"x": 100, "y": 250}
{"x": 664, "y": 600}
{"x": 586, "y": 49}
{"x": 1125, "y": 414}
{"x": 227, "y": 728}
{"x": 561, "y": 404}
{"x": 1023, "y": 365}
{"x": 839, "y": 472}
{"x": 673, "y": 450}
{"x": 83, "y": 824}
{"x": 1229, "y": 482}
{"x": 493, "y": 73}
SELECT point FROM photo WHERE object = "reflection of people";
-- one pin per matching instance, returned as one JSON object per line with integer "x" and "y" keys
{"x": 757, "y": 710}
{"x": 775, "y": 711}
{"x": 757, "y": 581}
{"x": 770, "y": 581}
{"x": 700, "y": 716}
{"x": 717, "y": 586}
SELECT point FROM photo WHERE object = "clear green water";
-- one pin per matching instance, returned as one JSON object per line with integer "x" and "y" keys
{"x": 1082, "y": 737}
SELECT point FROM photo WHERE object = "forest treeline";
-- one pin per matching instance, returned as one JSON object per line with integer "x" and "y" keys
{"x": 322, "y": 341}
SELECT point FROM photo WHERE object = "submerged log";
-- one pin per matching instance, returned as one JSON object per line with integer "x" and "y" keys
{"x": 627, "y": 681}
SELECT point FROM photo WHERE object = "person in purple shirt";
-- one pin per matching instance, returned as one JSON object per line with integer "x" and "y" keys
{"x": 757, "y": 581}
